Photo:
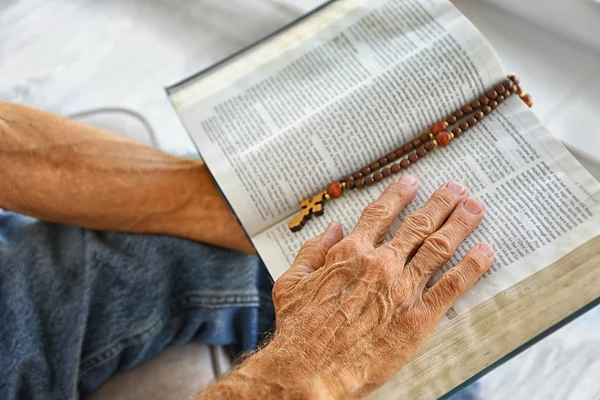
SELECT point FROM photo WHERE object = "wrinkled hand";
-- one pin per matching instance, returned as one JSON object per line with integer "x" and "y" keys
{"x": 351, "y": 312}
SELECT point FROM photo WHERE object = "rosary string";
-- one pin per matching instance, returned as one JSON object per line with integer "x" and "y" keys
{"x": 441, "y": 135}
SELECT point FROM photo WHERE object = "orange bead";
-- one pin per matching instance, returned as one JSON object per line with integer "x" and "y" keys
{"x": 335, "y": 189}
{"x": 438, "y": 127}
{"x": 443, "y": 139}
{"x": 528, "y": 100}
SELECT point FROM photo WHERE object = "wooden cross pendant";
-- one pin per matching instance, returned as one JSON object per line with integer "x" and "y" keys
{"x": 309, "y": 207}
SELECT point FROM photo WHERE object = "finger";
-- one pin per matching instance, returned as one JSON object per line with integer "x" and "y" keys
{"x": 456, "y": 281}
{"x": 312, "y": 255}
{"x": 419, "y": 225}
{"x": 376, "y": 219}
{"x": 438, "y": 248}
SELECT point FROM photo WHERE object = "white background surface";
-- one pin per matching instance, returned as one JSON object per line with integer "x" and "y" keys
{"x": 67, "y": 56}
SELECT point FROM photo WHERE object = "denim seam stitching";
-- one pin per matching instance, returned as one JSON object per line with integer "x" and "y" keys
{"x": 99, "y": 357}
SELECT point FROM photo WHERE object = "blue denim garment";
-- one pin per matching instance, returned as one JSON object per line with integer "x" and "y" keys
{"x": 77, "y": 306}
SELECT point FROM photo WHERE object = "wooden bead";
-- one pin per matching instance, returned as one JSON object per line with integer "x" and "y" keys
{"x": 378, "y": 176}
{"x": 484, "y": 100}
{"x": 438, "y": 127}
{"x": 487, "y": 110}
{"x": 421, "y": 152}
{"x": 467, "y": 109}
{"x": 443, "y": 139}
{"x": 357, "y": 175}
{"x": 407, "y": 148}
{"x": 374, "y": 166}
{"x": 429, "y": 146}
{"x": 507, "y": 83}
{"x": 452, "y": 120}
{"x": 369, "y": 181}
{"x": 472, "y": 121}
{"x": 350, "y": 185}
{"x": 399, "y": 153}
{"x": 365, "y": 171}
{"x": 416, "y": 143}
{"x": 464, "y": 126}
{"x": 424, "y": 137}
{"x": 359, "y": 184}
{"x": 335, "y": 189}
{"x": 457, "y": 131}
{"x": 459, "y": 114}
{"x": 396, "y": 168}
{"x": 492, "y": 94}
{"x": 514, "y": 78}
{"x": 348, "y": 178}
{"x": 528, "y": 100}
{"x": 383, "y": 161}
{"x": 479, "y": 115}
{"x": 500, "y": 89}
{"x": 387, "y": 172}
{"x": 413, "y": 157}
{"x": 391, "y": 157}
{"x": 405, "y": 164}
{"x": 476, "y": 104}
{"x": 500, "y": 98}
{"x": 493, "y": 104}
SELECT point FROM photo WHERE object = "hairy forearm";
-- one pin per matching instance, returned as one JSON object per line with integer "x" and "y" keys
{"x": 61, "y": 171}
{"x": 274, "y": 372}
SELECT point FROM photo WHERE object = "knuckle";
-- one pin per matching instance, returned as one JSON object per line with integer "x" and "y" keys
{"x": 369, "y": 260}
{"x": 311, "y": 243}
{"x": 455, "y": 282}
{"x": 462, "y": 222}
{"x": 379, "y": 209}
{"x": 420, "y": 222}
{"x": 474, "y": 264}
{"x": 442, "y": 200}
{"x": 399, "y": 192}
{"x": 439, "y": 245}
{"x": 308, "y": 249}
{"x": 345, "y": 250}
{"x": 375, "y": 263}
{"x": 347, "y": 246}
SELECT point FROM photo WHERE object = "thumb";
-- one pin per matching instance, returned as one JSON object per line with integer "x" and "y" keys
{"x": 312, "y": 255}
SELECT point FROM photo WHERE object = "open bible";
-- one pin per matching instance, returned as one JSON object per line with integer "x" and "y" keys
{"x": 354, "y": 79}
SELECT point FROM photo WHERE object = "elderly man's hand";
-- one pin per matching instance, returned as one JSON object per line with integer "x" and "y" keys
{"x": 351, "y": 312}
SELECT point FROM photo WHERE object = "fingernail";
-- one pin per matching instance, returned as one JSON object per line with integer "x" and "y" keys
{"x": 473, "y": 206}
{"x": 456, "y": 187}
{"x": 486, "y": 249}
{"x": 407, "y": 180}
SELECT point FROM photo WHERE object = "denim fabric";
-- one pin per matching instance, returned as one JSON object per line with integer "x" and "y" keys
{"x": 77, "y": 306}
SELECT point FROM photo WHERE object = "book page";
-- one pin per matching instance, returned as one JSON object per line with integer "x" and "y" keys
{"x": 539, "y": 203}
{"x": 351, "y": 83}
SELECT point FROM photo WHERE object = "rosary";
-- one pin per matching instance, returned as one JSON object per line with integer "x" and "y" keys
{"x": 441, "y": 135}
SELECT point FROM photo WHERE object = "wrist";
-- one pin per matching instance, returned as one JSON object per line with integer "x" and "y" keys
{"x": 289, "y": 373}
{"x": 271, "y": 373}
